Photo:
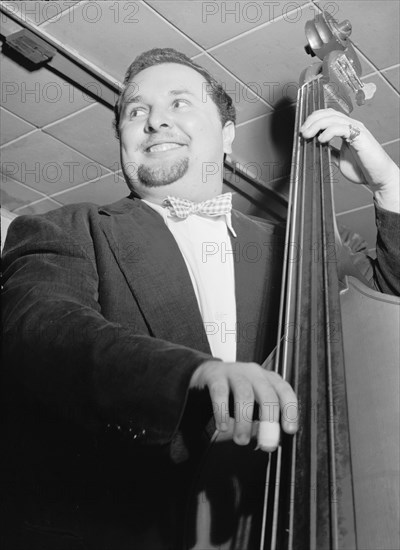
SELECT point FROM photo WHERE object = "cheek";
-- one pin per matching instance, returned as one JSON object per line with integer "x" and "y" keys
{"x": 130, "y": 140}
{"x": 204, "y": 132}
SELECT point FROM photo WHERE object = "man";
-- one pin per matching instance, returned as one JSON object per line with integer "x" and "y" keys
{"x": 113, "y": 321}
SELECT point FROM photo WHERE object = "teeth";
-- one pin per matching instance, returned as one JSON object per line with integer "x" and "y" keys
{"x": 163, "y": 147}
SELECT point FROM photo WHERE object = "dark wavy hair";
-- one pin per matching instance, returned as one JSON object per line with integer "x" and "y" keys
{"x": 157, "y": 56}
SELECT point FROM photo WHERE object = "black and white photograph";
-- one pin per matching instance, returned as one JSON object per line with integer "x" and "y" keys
{"x": 200, "y": 297}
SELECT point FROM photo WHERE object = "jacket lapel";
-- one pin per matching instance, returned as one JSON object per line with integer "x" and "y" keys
{"x": 155, "y": 272}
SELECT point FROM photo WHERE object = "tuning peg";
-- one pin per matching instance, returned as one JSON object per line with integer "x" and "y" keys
{"x": 343, "y": 29}
{"x": 365, "y": 93}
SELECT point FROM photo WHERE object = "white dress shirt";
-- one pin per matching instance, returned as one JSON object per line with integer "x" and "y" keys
{"x": 207, "y": 250}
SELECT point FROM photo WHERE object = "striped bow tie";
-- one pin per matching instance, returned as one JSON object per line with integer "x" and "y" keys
{"x": 182, "y": 208}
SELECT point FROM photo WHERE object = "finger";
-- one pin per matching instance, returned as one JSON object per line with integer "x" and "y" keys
{"x": 336, "y": 130}
{"x": 219, "y": 394}
{"x": 321, "y": 114}
{"x": 244, "y": 406}
{"x": 288, "y": 403}
{"x": 322, "y": 124}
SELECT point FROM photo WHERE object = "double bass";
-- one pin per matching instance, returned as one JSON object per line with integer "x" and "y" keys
{"x": 335, "y": 484}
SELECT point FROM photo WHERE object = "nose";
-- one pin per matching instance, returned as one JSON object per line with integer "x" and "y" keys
{"x": 158, "y": 118}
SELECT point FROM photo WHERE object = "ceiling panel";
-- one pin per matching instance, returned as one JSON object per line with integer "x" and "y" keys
{"x": 105, "y": 190}
{"x": 38, "y": 12}
{"x": 47, "y": 165}
{"x": 381, "y": 114}
{"x": 112, "y": 34}
{"x": 12, "y": 126}
{"x": 15, "y": 194}
{"x": 210, "y": 23}
{"x": 90, "y": 132}
{"x": 275, "y": 75}
{"x": 38, "y": 96}
{"x": 39, "y": 207}
{"x": 393, "y": 75}
{"x": 263, "y": 146}
{"x": 362, "y": 222}
{"x": 366, "y": 66}
{"x": 248, "y": 104}
{"x": 348, "y": 195}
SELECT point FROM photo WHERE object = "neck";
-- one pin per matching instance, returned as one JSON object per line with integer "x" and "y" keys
{"x": 194, "y": 193}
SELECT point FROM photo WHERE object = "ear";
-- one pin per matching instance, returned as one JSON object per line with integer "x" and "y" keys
{"x": 228, "y": 135}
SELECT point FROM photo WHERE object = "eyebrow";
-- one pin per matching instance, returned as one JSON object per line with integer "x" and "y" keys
{"x": 139, "y": 98}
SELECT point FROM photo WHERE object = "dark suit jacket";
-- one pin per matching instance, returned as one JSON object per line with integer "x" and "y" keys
{"x": 102, "y": 333}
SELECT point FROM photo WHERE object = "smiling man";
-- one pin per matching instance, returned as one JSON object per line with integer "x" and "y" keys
{"x": 175, "y": 124}
{"x": 124, "y": 344}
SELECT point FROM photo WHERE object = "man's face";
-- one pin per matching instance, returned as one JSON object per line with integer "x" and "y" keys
{"x": 172, "y": 140}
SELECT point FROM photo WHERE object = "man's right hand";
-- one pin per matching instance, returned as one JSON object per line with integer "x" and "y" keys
{"x": 248, "y": 383}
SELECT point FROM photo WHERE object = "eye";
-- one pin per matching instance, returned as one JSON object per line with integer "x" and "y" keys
{"x": 180, "y": 103}
{"x": 137, "y": 112}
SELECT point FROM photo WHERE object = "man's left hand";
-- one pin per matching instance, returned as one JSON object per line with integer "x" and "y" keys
{"x": 363, "y": 160}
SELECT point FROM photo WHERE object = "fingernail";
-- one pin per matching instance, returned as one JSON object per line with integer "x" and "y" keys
{"x": 290, "y": 427}
{"x": 223, "y": 427}
{"x": 241, "y": 439}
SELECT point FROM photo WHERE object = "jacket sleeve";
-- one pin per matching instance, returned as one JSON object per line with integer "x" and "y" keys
{"x": 64, "y": 354}
{"x": 383, "y": 273}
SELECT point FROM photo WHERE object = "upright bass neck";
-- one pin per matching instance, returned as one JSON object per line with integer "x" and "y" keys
{"x": 317, "y": 510}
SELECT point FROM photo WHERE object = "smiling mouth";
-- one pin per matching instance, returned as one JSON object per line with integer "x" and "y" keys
{"x": 161, "y": 147}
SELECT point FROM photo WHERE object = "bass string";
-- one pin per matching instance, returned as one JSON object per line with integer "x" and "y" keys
{"x": 288, "y": 318}
{"x": 325, "y": 188}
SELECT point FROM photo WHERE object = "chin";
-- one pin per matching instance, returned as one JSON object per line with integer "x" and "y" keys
{"x": 162, "y": 175}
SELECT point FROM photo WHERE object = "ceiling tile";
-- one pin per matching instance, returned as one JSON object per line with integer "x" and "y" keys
{"x": 15, "y": 195}
{"x": 37, "y": 12}
{"x": 12, "y": 127}
{"x": 45, "y": 164}
{"x": 348, "y": 195}
{"x": 210, "y": 23}
{"x": 272, "y": 58}
{"x": 40, "y": 96}
{"x": 362, "y": 222}
{"x": 375, "y": 27}
{"x": 90, "y": 131}
{"x": 366, "y": 66}
{"x": 393, "y": 75}
{"x": 381, "y": 113}
{"x": 248, "y": 104}
{"x": 105, "y": 190}
{"x": 112, "y": 34}
{"x": 263, "y": 147}
{"x": 40, "y": 207}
